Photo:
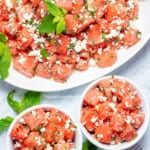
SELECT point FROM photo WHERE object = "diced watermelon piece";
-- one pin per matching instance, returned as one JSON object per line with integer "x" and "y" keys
{"x": 19, "y": 131}
{"x": 25, "y": 64}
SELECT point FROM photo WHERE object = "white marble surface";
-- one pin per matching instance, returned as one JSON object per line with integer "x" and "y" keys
{"x": 137, "y": 69}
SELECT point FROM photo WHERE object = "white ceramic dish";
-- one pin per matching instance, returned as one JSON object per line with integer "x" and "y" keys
{"x": 80, "y": 78}
{"x": 141, "y": 130}
{"x": 78, "y": 137}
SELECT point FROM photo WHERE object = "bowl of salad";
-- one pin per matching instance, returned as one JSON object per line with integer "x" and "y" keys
{"x": 44, "y": 127}
{"x": 114, "y": 113}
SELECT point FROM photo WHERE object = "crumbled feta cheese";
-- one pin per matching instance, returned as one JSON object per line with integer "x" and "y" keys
{"x": 48, "y": 147}
{"x": 47, "y": 114}
{"x": 131, "y": 4}
{"x": 37, "y": 54}
{"x": 33, "y": 113}
{"x": 99, "y": 51}
{"x": 114, "y": 98}
{"x": 92, "y": 62}
{"x": 17, "y": 145}
{"x": 27, "y": 16}
{"x": 21, "y": 120}
{"x": 113, "y": 106}
{"x": 113, "y": 33}
{"x": 43, "y": 129}
{"x": 9, "y": 3}
{"x": 113, "y": 90}
{"x": 67, "y": 125}
{"x": 102, "y": 98}
{"x": 24, "y": 39}
{"x": 93, "y": 119}
{"x": 79, "y": 45}
{"x": 121, "y": 36}
{"x": 22, "y": 59}
{"x": 100, "y": 136}
{"x": 128, "y": 119}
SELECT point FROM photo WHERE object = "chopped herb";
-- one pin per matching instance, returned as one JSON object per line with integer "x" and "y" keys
{"x": 92, "y": 12}
{"x": 44, "y": 53}
{"x": 71, "y": 46}
{"x": 102, "y": 89}
{"x": 93, "y": 42}
{"x": 104, "y": 36}
{"x": 138, "y": 34}
{"x": 37, "y": 128}
{"x": 90, "y": 9}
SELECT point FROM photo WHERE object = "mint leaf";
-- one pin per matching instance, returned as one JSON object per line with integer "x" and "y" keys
{"x": 53, "y": 9}
{"x": 47, "y": 25}
{"x": 5, "y": 122}
{"x": 2, "y": 38}
{"x": 63, "y": 11}
{"x": 54, "y": 21}
{"x": 61, "y": 25}
{"x": 5, "y": 60}
{"x": 30, "y": 99}
{"x": 44, "y": 53}
{"x": 88, "y": 146}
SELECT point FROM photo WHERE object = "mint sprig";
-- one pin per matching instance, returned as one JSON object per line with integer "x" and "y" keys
{"x": 5, "y": 123}
{"x": 54, "y": 21}
{"x": 30, "y": 99}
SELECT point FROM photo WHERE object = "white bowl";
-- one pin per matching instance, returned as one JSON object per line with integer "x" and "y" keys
{"x": 140, "y": 131}
{"x": 78, "y": 137}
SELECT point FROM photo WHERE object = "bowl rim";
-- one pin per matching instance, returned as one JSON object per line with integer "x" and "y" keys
{"x": 78, "y": 139}
{"x": 144, "y": 125}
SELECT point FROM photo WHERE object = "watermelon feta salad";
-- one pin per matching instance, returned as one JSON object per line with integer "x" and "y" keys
{"x": 53, "y": 38}
{"x": 44, "y": 129}
{"x": 111, "y": 111}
